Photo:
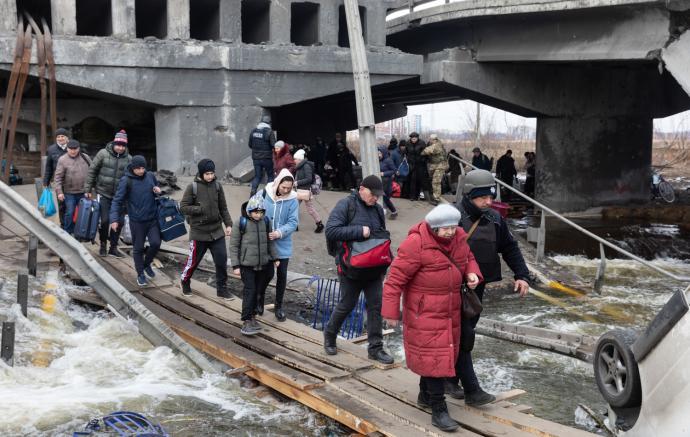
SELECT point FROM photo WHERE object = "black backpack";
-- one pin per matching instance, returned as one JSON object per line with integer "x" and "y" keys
{"x": 334, "y": 246}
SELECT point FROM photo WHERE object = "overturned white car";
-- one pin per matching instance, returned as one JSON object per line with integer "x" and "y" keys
{"x": 645, "y": 377}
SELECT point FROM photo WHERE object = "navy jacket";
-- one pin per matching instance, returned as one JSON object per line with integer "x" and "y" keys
{"x": 338, "y": 228}
{"x": 140, "y": 199}
{"x": 486, "y": 246}
{"x": 386, "y": 164}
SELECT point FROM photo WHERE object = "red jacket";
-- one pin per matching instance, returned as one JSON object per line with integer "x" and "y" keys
{"x": 282, "y": 159}
{"x": 430, "y": 287}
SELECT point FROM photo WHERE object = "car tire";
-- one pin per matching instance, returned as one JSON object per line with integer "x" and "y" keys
{"x": 616, "y": 371}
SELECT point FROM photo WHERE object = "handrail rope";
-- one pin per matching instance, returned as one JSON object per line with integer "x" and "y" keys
{"x": 570, "y": 223}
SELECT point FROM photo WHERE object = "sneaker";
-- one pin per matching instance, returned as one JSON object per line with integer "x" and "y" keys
{"x": 255, "y": 324}
{"x": 186, "y": 288}
{"x": 141, "y": 280}
{"x": 394, "y": 215}
{"x": 319, "y": 228}
{"x": 381, "y": 356}
{"x": 478, "y": 398}
{"x": 248, "y": 328}
{"x": 103, "y": 251}
{"x": 116, "y": 253}
{"x": 149, "y": 272}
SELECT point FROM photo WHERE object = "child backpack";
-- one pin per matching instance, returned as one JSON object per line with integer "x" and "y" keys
{"x": 170, "y": 220}
{"x": 86, "y": 220}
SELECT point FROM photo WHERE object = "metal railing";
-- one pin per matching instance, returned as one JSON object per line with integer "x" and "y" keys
{"x": 541, "y": 239}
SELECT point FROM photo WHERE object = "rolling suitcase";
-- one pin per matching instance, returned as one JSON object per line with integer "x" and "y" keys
{"x": 86, "y": 223}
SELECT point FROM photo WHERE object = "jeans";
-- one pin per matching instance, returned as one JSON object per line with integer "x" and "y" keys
{"x": 197, "y": 250}
{"x": 105, "y": 232}
{"x": 261, "y": 165}
{"x": 71, "y": 201}
{"x": 349, "y": 294}
{"x": 140, "y": 232}
{"x": 387, "y": 192}
{"x": 255, "y": 283}
{"x": 463, "y": 365}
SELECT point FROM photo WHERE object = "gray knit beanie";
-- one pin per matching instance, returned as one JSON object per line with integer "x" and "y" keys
{"x": 442, "y": 216}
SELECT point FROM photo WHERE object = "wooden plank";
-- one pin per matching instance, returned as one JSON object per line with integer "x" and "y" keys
{"x": 264, "y": 369}
{"x": 297, "y": 344}
{"x": 123, "y": 270}
{"x": 363, "y": 338}
{"x": 90, "y": 298}
{"x": 291, "y": 327}
{"x": 258, "y": 345}
{"x": 418, "y": 420}
{"x": 291, "y": 383}
{"x": 404, "y": 385}
{"x": 509, "y": 395}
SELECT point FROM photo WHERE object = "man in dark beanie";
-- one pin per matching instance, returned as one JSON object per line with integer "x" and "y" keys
{"x": 107, "y": 168}
{"x": 204, "y": 205}
{"x": 54, "y": 152}
{"x": 358, "y": 218}
{"x": 488, "y": 236}
{"x": 137, "y": 190}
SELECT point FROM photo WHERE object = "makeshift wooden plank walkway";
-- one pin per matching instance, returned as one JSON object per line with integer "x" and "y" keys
{"x": 366, "y": 396}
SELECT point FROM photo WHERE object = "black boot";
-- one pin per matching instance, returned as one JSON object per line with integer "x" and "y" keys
{"x": 319, "y": 228}
{"x": 329, "y": 343}
{"x": 478, "y": 398}
{"x": 441, "y": 419}
{"x": 103, "y": 251}
{"x": 280, "y": 315}
{"x": 453, "y": 390}
{"x": 423, "y": 400}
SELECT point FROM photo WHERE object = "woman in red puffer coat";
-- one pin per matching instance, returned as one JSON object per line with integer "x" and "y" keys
{"x": 282, "y": 158}
{"x": 430, "y": 284}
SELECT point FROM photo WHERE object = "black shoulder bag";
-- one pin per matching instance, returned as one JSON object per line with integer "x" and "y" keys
{"x": 471, "y": 305}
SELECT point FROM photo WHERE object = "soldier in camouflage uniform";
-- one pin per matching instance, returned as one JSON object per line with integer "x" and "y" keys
{"x": 438, "y": 165}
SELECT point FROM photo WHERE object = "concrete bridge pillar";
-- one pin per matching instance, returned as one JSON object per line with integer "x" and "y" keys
{"x": 64, "y": 17}
{"x": 185, "y": 135}
{"x": 586, "y": 162}
{"x": 8, "y": 19}
{"x": 280, "y": 22}
{"x": 231, "y": 20}
{"x": 178, "y": 19}
{"x": 124, "y": 20}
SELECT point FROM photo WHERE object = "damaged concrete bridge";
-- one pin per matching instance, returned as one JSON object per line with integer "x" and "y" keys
{"x": 191, "y": 78}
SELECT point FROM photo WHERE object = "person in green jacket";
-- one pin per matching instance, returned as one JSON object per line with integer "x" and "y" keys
{"x": 109, "y": 165}
{"x": 252, "y": 253}
{"x": 204, "y": 205}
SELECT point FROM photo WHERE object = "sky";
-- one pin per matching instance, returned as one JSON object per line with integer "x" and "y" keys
{"x": 460, "y": 115}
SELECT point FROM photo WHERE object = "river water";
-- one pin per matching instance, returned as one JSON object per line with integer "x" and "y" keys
{"x": 74, "y": 364}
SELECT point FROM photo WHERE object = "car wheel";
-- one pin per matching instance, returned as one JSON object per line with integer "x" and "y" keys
{"x": 616, "y": 371}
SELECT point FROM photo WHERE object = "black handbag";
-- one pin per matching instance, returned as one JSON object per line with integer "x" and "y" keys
{"x": 471, "y": 305}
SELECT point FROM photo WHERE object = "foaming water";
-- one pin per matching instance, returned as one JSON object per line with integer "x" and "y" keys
{"x": 556, "y": 384}
{"x": 74, "y": 364}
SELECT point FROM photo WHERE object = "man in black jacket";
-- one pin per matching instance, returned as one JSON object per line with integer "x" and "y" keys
{"x": 480, "y": 160}
{"x": 419, "y": 173}
{"x": 54, "y": 152}
{"x": 489, "y": 236}
{"x": 505, "y": 171}
{"x": 357, "y": 218}
{"x": 261, "y": 141}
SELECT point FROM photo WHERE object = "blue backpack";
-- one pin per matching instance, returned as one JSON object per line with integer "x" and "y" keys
{"x": 404, "y": 168}
{"x": 170, "y": 220}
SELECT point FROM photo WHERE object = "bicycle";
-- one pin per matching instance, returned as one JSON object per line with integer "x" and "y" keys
{"x": 663, "y": 189}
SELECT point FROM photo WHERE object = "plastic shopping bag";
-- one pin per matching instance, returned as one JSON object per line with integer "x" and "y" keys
{"x": 46, "y": 204}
